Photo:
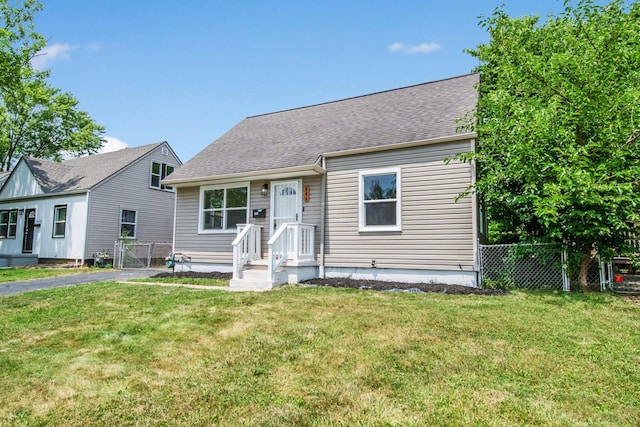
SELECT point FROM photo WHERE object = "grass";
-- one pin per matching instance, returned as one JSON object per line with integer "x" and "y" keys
{"x": 27, "y": 273}
{"x": 111, "y": 354}
{"x": 186, "y": 281}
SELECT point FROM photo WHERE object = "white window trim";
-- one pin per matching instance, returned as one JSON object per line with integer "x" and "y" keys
{"x": 201, "y": 229}
{"x": 9, "y": 223}
{"x": 361, "y": 211}
{"x": 56, "y": 222}
{"x": 160, "y": 177}
{"x": 135, "y": 224}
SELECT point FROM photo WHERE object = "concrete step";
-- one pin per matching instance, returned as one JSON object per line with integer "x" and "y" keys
{"x": 250, "y": 284}
{"x": 259, "y": 274}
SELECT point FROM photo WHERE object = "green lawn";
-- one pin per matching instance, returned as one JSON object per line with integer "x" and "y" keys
{"x": 26, "y": 273}
{"x": 110, "y": 354}
{"x": 185, "y": 281}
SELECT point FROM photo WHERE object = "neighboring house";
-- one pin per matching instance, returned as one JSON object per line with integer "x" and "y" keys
{"x": 74, "y": 209}
{"x": 353, "y": 188}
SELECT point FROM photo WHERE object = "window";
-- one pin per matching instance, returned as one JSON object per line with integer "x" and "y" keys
{"x": 380, "y": 206}
{"x": 8, "y": 224}
{"x": 59, "y": 220}
{"x": 128, "y": 223}
{"x": 160, "y": 171}
{"x": 222, "y": 208}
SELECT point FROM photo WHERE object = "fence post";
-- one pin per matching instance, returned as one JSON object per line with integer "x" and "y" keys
{"x": 566, "y": 282}
{"x": 480, "y": 271}
{"x": 149, "y": 251}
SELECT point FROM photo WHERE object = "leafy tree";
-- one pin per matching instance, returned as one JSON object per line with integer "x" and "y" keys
{"x": 558, "y": 153}
{"x": 35, "y": 118}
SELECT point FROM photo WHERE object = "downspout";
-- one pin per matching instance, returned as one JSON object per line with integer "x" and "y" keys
{"x": 86, "y": 230}
{"x": 474, "y": 219}
{"x": 323, "y": 208}
{"x": 175, "y": 219}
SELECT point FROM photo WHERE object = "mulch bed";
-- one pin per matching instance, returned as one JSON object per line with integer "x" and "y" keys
{"x": 194, "y": 275}
{"x": 377, "y": 285}
{"x": 374, "y": 285}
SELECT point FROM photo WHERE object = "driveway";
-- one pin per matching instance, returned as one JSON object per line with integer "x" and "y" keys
{"x": 75, "y": 279}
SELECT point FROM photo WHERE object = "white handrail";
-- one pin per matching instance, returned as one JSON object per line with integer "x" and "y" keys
{"x": 292, "y": 241}
{"x": 278, "y": 249}
{"x": 246, "y": 247}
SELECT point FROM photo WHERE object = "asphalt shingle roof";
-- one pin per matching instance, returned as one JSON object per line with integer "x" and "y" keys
{"x": 298, "y": 137}
{"x": 83, "y": 173}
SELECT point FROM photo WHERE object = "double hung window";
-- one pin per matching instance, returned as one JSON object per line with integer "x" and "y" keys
{"x": 160, "y": 171}
{"x": 128, "y": 223}
{"x": 59, "y": 220}
{"x": 223, "y": 208}
{"x": 380, "y": 203}
{"x": 8, "y": 223}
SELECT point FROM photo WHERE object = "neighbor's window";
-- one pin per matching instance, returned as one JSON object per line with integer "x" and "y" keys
{"x": 59, "y": 220}
{"x": 8, "y": 223}
{"x": 380, "y": 207}
{"x": 160, "y": 171}
{"x": 222, "y": 208}
{"x": 128, "y": 223}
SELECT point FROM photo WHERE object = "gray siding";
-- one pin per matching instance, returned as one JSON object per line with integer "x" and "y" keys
{"x": 311, "y": 211}
{"x": 129, "y": 189}
{"x": 216, "y": 247}
{"x": 437, "y": 232}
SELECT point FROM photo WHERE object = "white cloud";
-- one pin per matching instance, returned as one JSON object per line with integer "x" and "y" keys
{"x": 51, "y": 53}
{"x": 396, "y": 47}
{"x": 421, "y": 48}
{"x": 112, "y": 144}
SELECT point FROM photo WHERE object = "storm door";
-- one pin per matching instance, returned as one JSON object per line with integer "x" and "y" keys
{"x": 286, "y": 203}
{"x": 29, "y": 227}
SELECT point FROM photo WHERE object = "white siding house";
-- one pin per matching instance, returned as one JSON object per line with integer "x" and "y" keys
{"x": 357, "y": 187}
{"x": 68, "y": 211}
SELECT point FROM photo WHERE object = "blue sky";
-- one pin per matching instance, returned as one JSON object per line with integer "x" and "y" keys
{"x": 187, "y": 71}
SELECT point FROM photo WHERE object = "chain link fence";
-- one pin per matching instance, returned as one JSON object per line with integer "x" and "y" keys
{"x": 537, "y": 266}
{"x": 140, "y": 255}
{"x": 522, "y": 266}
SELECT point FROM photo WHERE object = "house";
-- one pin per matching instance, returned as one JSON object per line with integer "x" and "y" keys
{"x": 353, "y": 188}
{"x": 52, "y": 212}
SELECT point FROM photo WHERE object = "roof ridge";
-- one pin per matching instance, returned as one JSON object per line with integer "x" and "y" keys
{"x": 362, "y": 96}
{"x": 146, "y": 147}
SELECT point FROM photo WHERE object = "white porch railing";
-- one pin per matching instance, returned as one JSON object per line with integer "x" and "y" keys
{"x": 291, "y": 242}
{"x": 246, "y": 247}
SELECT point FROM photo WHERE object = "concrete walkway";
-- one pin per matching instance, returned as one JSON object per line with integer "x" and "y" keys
{"x": 110, "y": 275}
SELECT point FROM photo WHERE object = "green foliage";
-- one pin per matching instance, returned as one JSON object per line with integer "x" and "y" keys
{"x": 558, "y": 151}
{"x": 35, "y": 118}
{"x": 501, "y": 284}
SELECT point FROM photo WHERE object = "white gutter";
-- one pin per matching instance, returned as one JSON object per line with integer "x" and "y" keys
{"x": 268, "y": 174}
{"x": 419, "y": 143}
{"x": 45, "y": 195}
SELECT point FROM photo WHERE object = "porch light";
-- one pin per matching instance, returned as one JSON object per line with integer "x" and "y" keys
{"x": 265, "y": 189}
{"x": 20, "y": 211}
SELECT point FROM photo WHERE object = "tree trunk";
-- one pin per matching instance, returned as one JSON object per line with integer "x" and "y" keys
{"x": 584, "y": 269}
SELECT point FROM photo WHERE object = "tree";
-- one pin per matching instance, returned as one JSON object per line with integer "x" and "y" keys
{"x": 558, "y": 152}
{"x": 36, "y": 119}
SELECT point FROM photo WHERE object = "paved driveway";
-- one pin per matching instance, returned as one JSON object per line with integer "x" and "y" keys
{"x": 75, "y": 279}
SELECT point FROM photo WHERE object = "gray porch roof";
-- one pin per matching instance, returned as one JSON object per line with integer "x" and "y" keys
{"x": 299, "y": 137}
{"x": 83, "y": 173}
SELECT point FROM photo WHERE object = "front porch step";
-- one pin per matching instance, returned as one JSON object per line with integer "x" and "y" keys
{"x": 256, "y": 276}
{"x": 251, "y": 284}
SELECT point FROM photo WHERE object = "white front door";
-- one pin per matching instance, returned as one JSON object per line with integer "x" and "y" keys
{"x": 286, "y": 203}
